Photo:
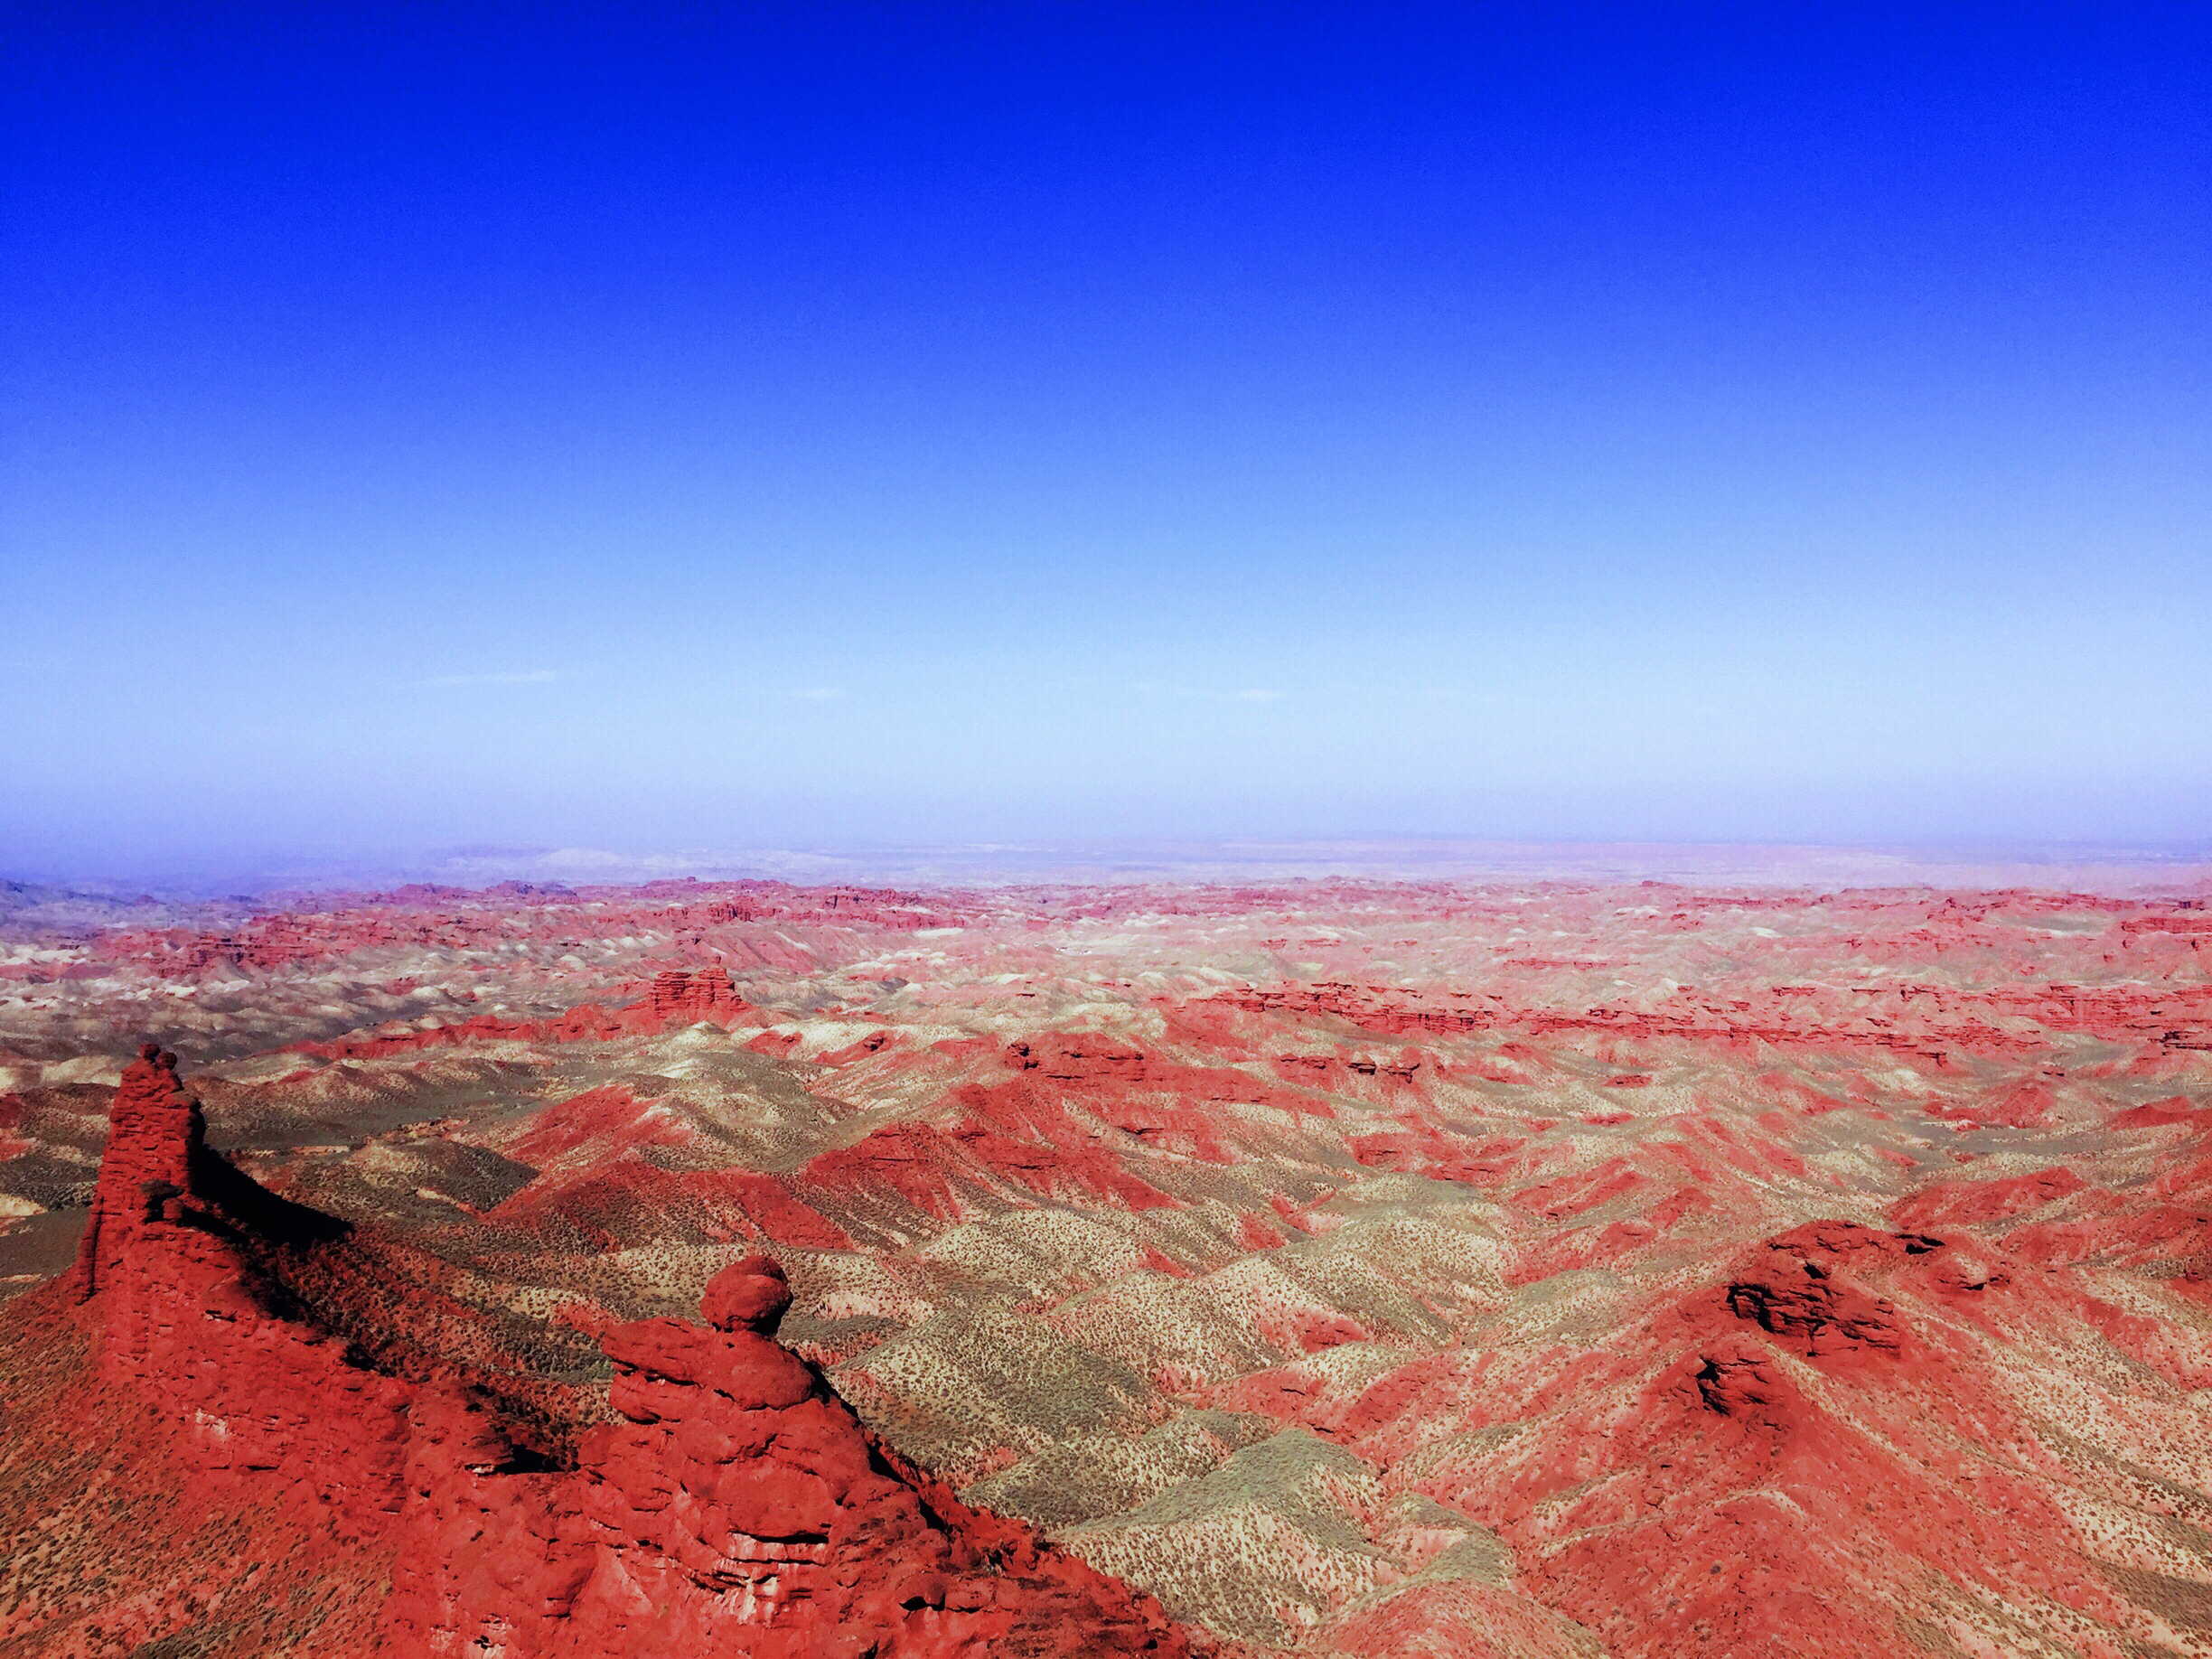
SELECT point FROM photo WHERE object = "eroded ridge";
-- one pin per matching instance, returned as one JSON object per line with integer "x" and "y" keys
{"x": 735, "y": 1503}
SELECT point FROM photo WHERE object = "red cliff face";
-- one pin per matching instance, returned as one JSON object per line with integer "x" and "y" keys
{"x": 700, "y": 995}
{"x": 736, "y": 1506}
{"x": 185, "y": 1317}
{"x": 156, "y": 1142}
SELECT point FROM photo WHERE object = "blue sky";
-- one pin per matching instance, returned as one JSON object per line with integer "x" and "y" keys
{"x": 814, "y": 426}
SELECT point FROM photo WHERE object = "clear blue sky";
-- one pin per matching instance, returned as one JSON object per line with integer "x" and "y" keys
{"x": 808, "y": 425}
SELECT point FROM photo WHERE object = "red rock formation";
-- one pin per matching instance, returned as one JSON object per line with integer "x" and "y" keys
{"x": 696, "y": 995}
{"x": 739, "y": 1505}
{"x": 156, "y": 1143}
{"x": 186, "y": 1316}
{"x": 677, "y": 996}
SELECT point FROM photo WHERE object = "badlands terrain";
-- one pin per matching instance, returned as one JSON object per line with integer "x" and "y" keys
{"x": 1325, "y": 1267}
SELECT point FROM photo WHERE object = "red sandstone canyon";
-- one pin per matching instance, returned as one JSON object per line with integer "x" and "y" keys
{"x": 1322, "y": 1268}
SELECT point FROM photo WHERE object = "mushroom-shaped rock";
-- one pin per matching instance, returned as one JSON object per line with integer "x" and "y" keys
{"x": 748, "y": 1296}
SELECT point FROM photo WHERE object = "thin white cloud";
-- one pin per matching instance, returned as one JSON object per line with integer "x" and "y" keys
{"x": 1197, "y": 694}
{"x": 533, "y": 676}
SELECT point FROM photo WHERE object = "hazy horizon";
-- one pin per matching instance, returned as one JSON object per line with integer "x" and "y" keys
{"x": 804, "y": 429}
{"x": 2118, "y": 871}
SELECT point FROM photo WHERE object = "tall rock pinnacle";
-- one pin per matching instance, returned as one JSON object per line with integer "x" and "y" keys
{"x": 156, "y": 1157}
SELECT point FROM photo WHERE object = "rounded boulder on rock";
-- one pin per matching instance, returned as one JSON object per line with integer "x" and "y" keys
{"x": 751, "y": 1295}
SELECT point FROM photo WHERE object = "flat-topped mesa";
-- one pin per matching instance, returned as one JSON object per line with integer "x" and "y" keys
{"x": 701, "y": 994}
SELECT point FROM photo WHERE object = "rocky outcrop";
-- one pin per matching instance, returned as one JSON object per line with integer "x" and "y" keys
{"x": 187, "y": 1317}
{"x": 677, "y": 996}
{"x": 701, "y": 995}
{"x": 157, "y": 1145}
{"x": 736, "y": 1507}
{"x": 1802, "y": 1293}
